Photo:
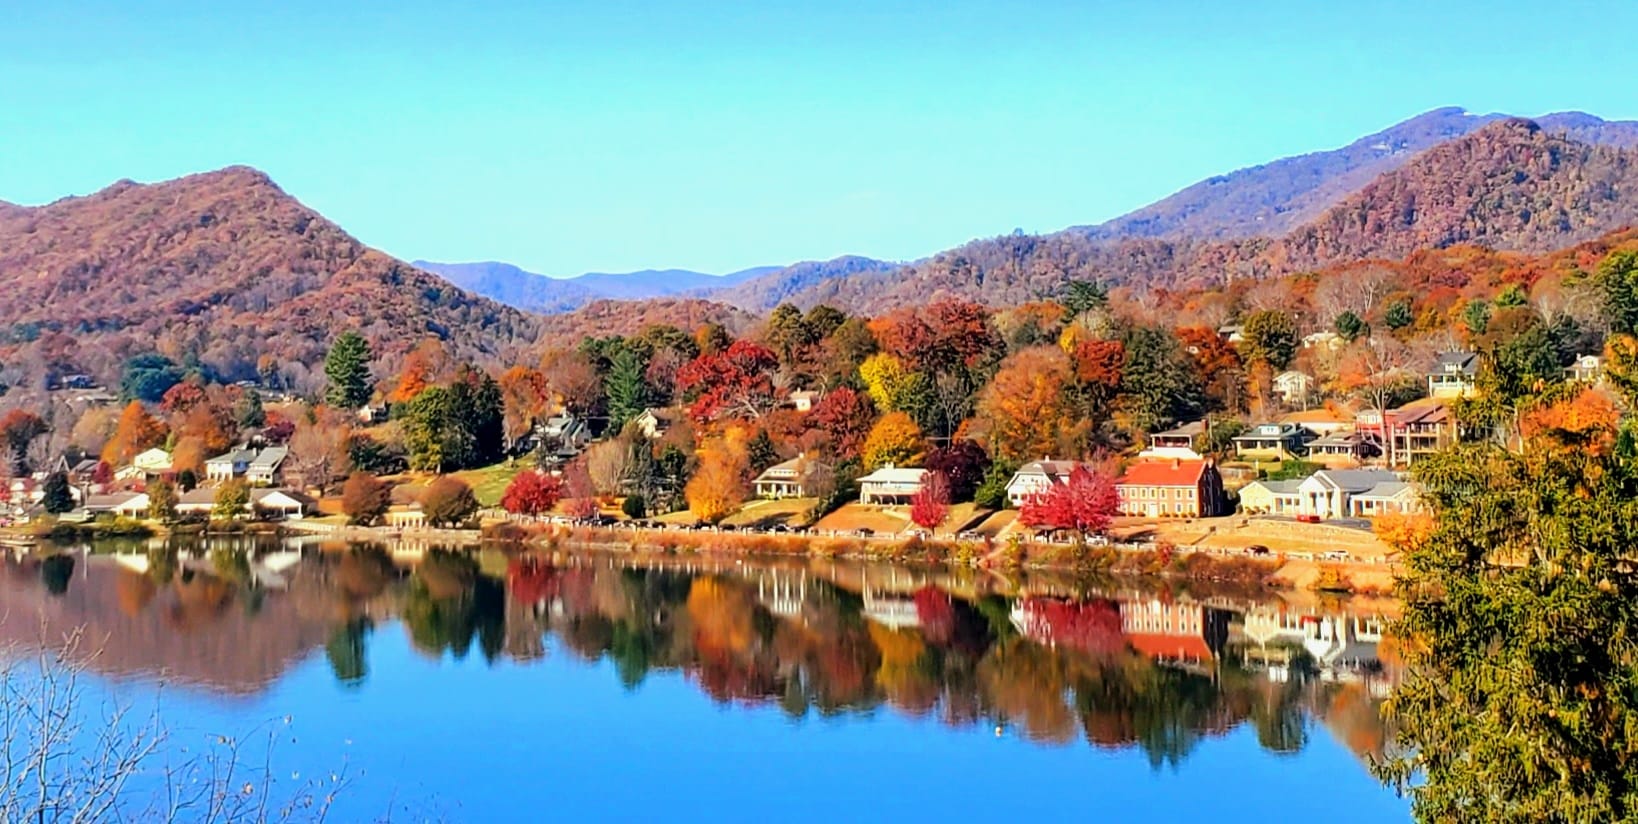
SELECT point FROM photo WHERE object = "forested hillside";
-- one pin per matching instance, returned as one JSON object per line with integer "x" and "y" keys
{"x": 223, "y": 270}
{"x": 1509, "y": 185}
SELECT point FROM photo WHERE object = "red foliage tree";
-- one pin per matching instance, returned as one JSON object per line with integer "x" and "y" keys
{"x": 1085, "y": 503}
{"x": 737, "y": 383}
{"x": 531, "y": 493}
{"x": 944, "y": 335}
{"x": 278, "y": 428}
{"x": 845, "y": 417}
{"x": 962, "y": 463}
{"x": 103, "y": 474}
{"x": 931, "y": 504}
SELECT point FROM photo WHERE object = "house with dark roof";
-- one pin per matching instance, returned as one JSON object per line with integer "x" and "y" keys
{"x": 1171, "y": 489}
{"x": 1453, "y": 375}
{"x": 1272, "y": 442}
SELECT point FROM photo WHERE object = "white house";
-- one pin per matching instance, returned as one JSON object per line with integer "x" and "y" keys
{"x": 230, "y": 465}
{"x": 1293, "y": 387}
{"x": 128, "y": 504}
{"x": 802, "y": 400}
{"x": 891, "y": 485}
{"x": 147, "y": 464}
{"x": 1036, "y": 477}
{"x": 565, "y": 433}
{"x": 653, "y": 422}
{"x": 1327, "y": 339}
{"x": 789, "y": 479}
{"x": 279, "y": 504}
{"x": 264, "y": 470}
{"x": 1588, "y": 368}
{"x": 1453, "y": 375}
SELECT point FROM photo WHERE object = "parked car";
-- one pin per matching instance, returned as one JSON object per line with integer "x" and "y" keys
{"x": 1257, "y": 549}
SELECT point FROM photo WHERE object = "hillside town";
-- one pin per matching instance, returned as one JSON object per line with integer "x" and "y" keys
{"x": 1063, "y": 419}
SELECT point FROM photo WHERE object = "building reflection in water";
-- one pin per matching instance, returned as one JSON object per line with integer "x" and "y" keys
{"x": 1121, "y": 665}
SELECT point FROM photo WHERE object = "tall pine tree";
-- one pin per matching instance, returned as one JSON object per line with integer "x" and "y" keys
{"x": 347, "y": 368}
{"x": 624, "y": 386}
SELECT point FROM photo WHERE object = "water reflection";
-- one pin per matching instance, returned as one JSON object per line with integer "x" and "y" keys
{"x": 1054, "y": 660}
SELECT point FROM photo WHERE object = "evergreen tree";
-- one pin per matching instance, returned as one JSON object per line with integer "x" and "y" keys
{"x": 347, "y": 368}
{"x": 248, "y": 412}
{"x": 760, "y": 453}
{"x": 1398, "y": 315}
{"x": 1350, "y": 328}
{"x": 58, "y": 497}
{"x": 626, "y": 392}
{"x": 1270, "y": 338}
{"x": 425, "y": 420}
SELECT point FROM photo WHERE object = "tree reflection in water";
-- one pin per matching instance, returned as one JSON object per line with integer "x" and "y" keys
{"x": 1116, "y": 669}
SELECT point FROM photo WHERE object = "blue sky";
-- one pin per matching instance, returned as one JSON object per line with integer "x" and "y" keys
{"x": 617, "y": 135}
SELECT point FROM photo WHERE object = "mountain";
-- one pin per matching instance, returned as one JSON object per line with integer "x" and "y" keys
{"x": 1510, "y": 185}
{"x": 547, "y": 295}
{"x": 761, "y": 294}
{"x": 629, "y": 317}
{"x": 222, "y": 268}
{"x": 1277, "y": 197}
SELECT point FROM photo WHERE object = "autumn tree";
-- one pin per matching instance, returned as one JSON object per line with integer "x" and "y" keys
{"x": 347, "y": 371}
{"x": 162, "y": 501}
{"x": 718, "y": 485}
{"x": 365, "y": 498}
{"x": 18, "y": 431}
{"x": 895, "y": 440}
{"x": 232, "y": 501}
{"x": 1217, "y": 363}
{"x": 931, "y": 504}
{"x": 888, "y": 381}
{"x": 448, "y": 502}
{"x": 574, "y": 380}
{"x": 736, "y": 383}
{"x": 525, "y": 399}
{"x": 962, "y": 463}
{"x": 939, "y": 337}
{"x": 1098, "y": 365}
{"x": 844, "y": 418}
{"x": 1028, "y": 409}
{"x": 532, "y": 493}
{"x": 318, "y": 447}
{"x": 1085, "y": 503}
{"x": 136, "y": 432}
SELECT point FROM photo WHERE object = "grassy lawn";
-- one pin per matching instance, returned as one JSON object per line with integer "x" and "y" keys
{"x": 489, "y": 483}
{"x": 763, "y": 514}
{"x": 881, "y": 520}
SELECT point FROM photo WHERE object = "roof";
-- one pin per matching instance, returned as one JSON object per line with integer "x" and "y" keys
{"x": 114, "y": 501}
{"x": 1163, "y": 473}
{"x": 270, "y": 457}
{"x": 1346, "y": 437}
{"x": 1320, "y": 415}
{"x": 1387, "y": 490}
{"x": 1420, "y": 412}
{"x": 1049, "y": 468}
{"x": 894, "y": 475}
{"x": 1276, "y": 487}
{"x": 1354, "y": 481}
{"x": 1155, "y": 645}
{"x": 795, "y": 468}
{"x": 1466, "y": 363}
{"x": 240, "y": 455}
{"x": 1190, "y": 430}
{"x": 1289, "y": 374}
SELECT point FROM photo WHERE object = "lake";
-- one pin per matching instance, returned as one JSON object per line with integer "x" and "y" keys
{"x": 505, "y": 686}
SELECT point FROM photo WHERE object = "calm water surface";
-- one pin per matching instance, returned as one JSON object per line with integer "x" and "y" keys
{"x": 491, "y": 686}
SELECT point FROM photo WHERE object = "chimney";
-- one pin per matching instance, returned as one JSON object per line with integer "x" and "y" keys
{"x": 1177, "y": 463}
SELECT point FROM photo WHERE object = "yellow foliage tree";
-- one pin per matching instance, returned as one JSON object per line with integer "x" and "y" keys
{"x": 886, "y": 379}
{"x": 896, "y": 440}
{"x": 718, "y": 486}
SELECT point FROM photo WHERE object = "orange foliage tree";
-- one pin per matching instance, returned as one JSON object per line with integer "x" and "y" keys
{"x": 1028, "y": 411}
{"x": 137, "y": 431}
{"x": 718, "y": 486}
